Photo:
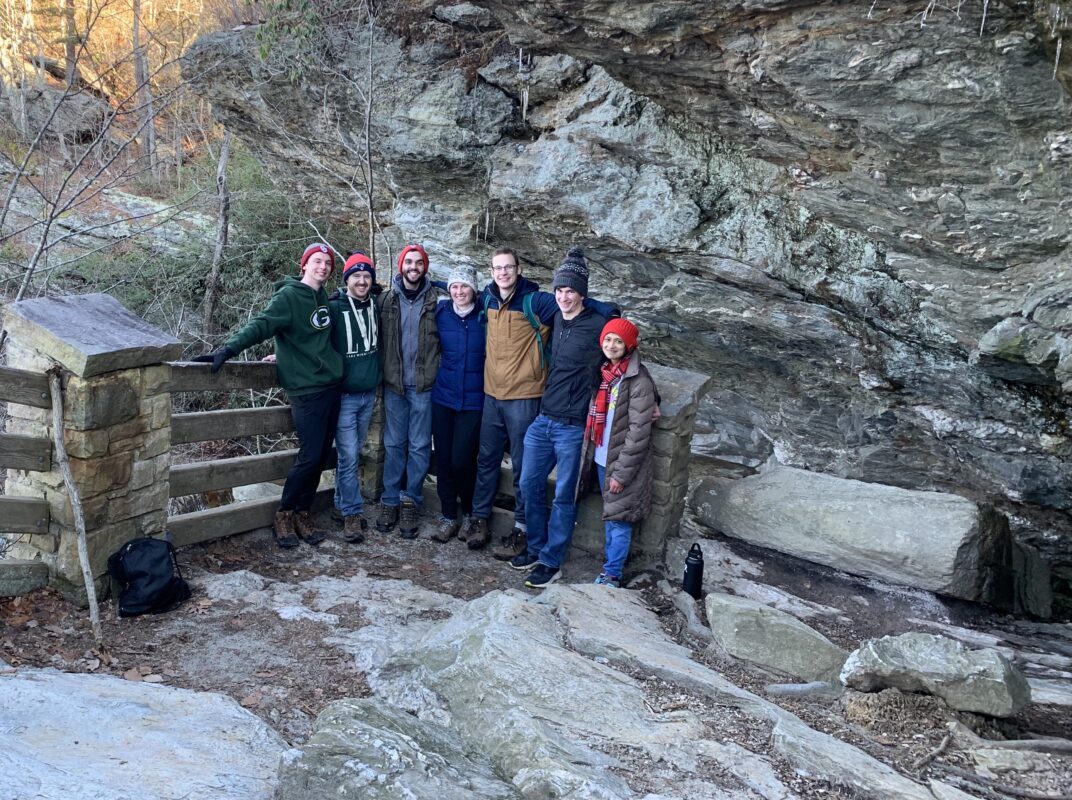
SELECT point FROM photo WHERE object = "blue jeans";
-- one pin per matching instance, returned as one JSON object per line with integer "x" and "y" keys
{"x": 618, "y": 537}
{"x": 355, "y": 412}
{"x": 407, "y": 440}
{"x": 548, "y": 443}
{"x": 503, "y": 422}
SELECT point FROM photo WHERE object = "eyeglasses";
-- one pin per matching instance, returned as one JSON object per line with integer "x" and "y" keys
{"x": 506, "y": 268}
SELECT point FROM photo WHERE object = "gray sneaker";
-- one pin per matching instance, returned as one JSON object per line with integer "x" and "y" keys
{"x": 410, "y": 520}
{"x": 446, "y": 529}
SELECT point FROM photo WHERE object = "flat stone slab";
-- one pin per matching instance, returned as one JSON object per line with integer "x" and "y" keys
{"x": 678, "y": 389}
{"x": 95, "y": 737}
{"x": 89, "y": 334}
{"x": 929, "y": 540}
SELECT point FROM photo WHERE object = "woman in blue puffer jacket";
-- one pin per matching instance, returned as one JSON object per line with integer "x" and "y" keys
{"x": 457, "y": 400}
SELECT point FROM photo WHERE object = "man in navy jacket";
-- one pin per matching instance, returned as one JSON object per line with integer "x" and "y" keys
{"x": 557, "y": 434}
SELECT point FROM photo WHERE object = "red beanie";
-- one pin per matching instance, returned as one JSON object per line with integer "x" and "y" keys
{"x": 409, "y": 248}
{"x": 316, "y": 247}
{"x": 624, "y": 329}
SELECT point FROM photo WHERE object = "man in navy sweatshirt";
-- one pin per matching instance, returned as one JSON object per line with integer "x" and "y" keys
{"x": 557, "y": 434}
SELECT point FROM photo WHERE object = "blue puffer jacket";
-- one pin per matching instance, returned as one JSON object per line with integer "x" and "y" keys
{"x": 459, "y": 384}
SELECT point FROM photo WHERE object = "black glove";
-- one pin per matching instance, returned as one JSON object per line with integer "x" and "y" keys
{"x": 216, "y": 358}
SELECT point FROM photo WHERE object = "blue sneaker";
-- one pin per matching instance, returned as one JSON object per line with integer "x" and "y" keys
{"x": 542, "y": 576}
{"x": 608, "y": 580}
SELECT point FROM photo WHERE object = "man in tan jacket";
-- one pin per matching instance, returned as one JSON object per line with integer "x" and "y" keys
{"x": 519, "y": 320}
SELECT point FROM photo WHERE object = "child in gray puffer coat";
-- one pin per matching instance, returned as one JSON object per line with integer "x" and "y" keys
{"x": 618, "y": 439}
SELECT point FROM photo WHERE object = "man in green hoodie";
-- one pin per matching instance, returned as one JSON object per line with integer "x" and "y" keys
{"x": 310, "y": 370}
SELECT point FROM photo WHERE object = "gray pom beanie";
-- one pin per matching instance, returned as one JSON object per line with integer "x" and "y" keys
{"x": 466, "y": 275}
{"x": 573, "y": 272}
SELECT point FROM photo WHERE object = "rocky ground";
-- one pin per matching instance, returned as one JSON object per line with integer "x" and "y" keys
{"x": 285, "y": 634}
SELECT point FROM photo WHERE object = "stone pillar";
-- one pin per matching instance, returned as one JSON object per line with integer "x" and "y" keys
{"x": 681, "y": 392}
{"x": 370, "y": 467}
{"x": 117, "y": 418}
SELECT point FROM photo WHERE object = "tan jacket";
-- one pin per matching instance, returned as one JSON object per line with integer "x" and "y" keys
{"x": 512, "y": 368}
{"x": 629, "y": 453}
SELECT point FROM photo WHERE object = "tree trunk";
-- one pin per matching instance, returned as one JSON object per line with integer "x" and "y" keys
{"x": 145, "y": 95}
{"x": 70, "y": 43}
{"x": 212, "y": 283}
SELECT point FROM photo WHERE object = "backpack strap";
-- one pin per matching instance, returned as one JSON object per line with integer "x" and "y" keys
{"x": 530, "y": 315}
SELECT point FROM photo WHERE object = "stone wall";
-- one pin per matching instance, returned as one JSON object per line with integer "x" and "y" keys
{"x": 117, "y": 418}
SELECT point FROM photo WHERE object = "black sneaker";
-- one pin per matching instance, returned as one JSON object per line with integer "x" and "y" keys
{"x": 542, "y": 576}
{"x": 524, "y": 561}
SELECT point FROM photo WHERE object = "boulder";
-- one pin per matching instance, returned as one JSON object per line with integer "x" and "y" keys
{"x": 493, "y": 675}
{"x": 95, "y": 737}
{"x": 368, "y": 749}
{"x": 762, "y": 635}
{"x": 929, "y": 540}
{"x": 982, "y": 681}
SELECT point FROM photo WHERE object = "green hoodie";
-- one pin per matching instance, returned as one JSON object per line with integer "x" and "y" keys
{"x": 299, "y": 319}
{"x": 355, "y": 332}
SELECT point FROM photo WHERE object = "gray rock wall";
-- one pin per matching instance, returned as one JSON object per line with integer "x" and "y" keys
{"x": 855, "y": 223}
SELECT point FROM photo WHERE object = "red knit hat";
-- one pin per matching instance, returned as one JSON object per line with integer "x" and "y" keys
{"x": 358, "y": 262}
{"x": 316, "y": 247}
{"x": 624, "y": 329}
{"x": 409, "y": 248}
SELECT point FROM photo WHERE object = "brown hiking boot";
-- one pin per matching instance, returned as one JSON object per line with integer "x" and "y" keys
{"x": 306, "y": 528}
{"x": 353, "y": 528}
{"x": 410, "y": 520}
{"x": 284, "y": 530}
{"x": 388, "y": 518}
{"x": 446, "y": 529}
{"x": 513, "y": 544}
{"x": 477, "y": 535}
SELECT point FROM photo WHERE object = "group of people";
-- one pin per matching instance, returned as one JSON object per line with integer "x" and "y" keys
{"x": 555, "y": 378}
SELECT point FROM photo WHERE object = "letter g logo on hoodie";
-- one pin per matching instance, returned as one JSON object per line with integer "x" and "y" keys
{"x": 321, "y": 318}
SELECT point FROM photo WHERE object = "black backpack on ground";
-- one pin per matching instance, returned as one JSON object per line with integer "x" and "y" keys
{"x": 148, "y": 577}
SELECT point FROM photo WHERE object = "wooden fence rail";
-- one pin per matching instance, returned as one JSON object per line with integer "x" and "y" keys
{"x": 24, "y": 387}
{"x": 231, "y": 423}
{"x": 190, "y": 377}
{"x": 23, "y": 515}
{"x": 25, "y": 452}
{"x": 226, "y": 473}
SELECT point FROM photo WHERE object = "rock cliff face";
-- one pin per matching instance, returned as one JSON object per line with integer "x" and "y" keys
{"x": 855, "y": 220}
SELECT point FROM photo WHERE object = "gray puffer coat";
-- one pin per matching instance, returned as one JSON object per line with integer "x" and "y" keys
{"x": 629, "y": 451}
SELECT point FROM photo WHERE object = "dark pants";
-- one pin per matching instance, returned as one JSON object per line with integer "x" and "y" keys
{"x": 456, "y": 437}
{"x": 504, "y": 423}
{"x": 315, "y": 417}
